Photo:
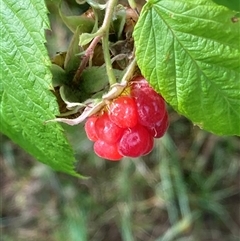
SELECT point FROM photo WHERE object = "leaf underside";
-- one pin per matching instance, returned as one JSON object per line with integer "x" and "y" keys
{"x": 26, "y": 101}
{"x": 190, "y": 53}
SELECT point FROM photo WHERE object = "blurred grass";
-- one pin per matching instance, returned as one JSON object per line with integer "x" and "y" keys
{"x": 187, "y": 189}
{"x": 178, "y": 192}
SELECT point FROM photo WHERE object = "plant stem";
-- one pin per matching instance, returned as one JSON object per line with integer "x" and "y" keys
{"x": 105, "y": 33}
{"x": 107, "y": 59}
{"x": 88, "y": 53}
{"x": 130, "y": 71}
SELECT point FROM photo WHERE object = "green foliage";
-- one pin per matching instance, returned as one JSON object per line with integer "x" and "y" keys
{"x": 95, "y": 79}
{"x": 233, "y": 4}
{"x": 74, "y": 23}
{"x": 186, "y": 189}
{"x": 190, "y": 52}
{"x": 26, "y": 99}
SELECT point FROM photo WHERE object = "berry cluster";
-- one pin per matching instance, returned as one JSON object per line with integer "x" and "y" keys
{"x": 129, "y": 124}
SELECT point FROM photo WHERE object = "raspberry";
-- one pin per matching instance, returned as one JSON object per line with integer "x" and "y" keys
{"x": 106, "y": 130}
{"x": 107, "y": 151}
{"x": 135, "y": 141}
{"x": 149, "y": 147}
{"x": 139, "y": 82}
{"x": 150, "y": 105}
{"x": 123, "y": 112}
{"x": 90, "y": 128}
{"x": 159, "y": 129}
{"x": 131, "y": 123}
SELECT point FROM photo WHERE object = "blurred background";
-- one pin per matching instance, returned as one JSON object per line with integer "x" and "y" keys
{"x": 187, "y": 189}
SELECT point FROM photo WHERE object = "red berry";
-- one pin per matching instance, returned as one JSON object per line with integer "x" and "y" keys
{"x": 106, "y": 130}
{"x": 90, "y": 128}
{"x": 130, "y": 125}
{"x": 139, "y": 82}
{"x": 150, "y": 105}
{"x": 135, "y": 141}
{"x": 149, "y": 146}
{"x": 123, "y": 112}
{"x": 159, "y": 129}
{"x": 107, "y": 151}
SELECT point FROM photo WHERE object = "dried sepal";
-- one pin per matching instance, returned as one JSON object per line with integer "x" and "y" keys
{"x": 89, "y": 110}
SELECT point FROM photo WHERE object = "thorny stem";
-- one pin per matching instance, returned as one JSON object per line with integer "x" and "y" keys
{"x": 102, "y": 32}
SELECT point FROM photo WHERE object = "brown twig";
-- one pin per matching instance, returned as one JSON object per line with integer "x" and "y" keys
{"x": 88, "y": 53}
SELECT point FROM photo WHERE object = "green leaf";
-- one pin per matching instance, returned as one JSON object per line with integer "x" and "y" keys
{"x": 190, "y": 53}
{"x": 72, "y": 59}
{"x": 95, "y": 79}
{"x": 59, "y": 75}
{"x": 119, "y": 20}
{"x": 26, "y": 99}
{"x": 96, "y": 5}
{"x": 83, "y": 23}
{"x": 86, "y": 38}
{"x": 233, "y": 4}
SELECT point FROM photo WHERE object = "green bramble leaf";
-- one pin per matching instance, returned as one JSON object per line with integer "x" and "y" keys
{"x": 86, "y": 38}
{"x": 233, "y": 4}
{"x": 95, "y": 79}
{"x": 74, "y": 22}
{"x": 59, "y": 75}
{"x": 96, "y": 5}
{"x": 190, "y": 53}
{"x": 72, "y": 59}
{"x": 119, "y": 20}
{"x": 82, "y": 22}
{"x": 26, "y": 101}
